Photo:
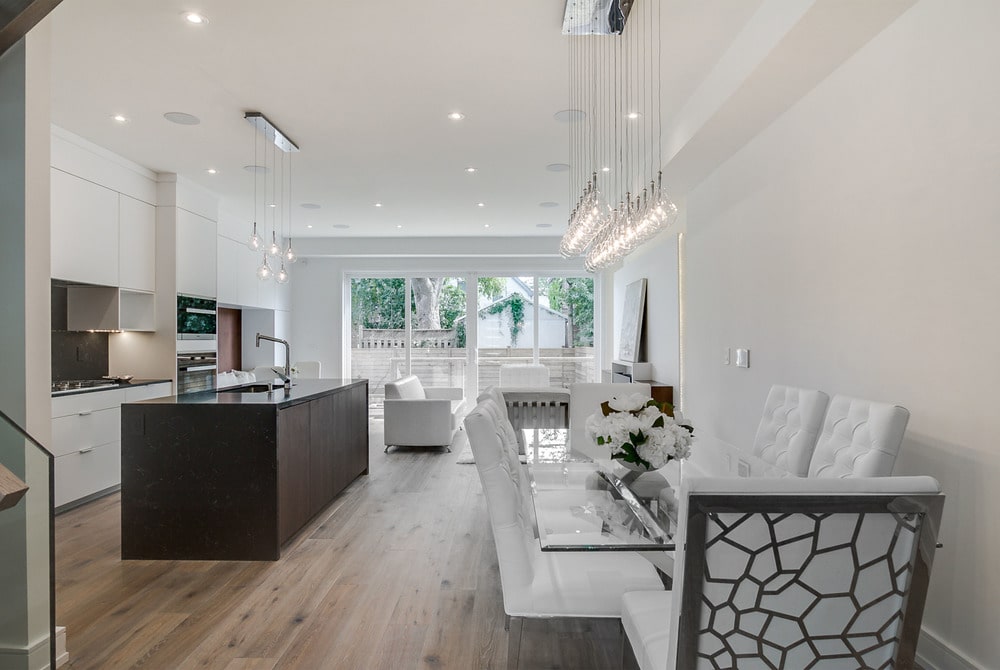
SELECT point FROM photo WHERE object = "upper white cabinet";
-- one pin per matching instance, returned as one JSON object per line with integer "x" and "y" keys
{"x": 196, "y": 255}
{"x": 84, "y": 230}
{"x": 136, "y": 244}
{"x": 228, "y": 260}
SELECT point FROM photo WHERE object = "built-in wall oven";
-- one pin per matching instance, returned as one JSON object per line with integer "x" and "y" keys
{"x": 196, "y": 318}
{"x": 196, "y": 371}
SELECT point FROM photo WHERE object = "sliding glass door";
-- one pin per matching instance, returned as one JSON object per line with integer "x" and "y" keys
{"x": 462, "y": 330}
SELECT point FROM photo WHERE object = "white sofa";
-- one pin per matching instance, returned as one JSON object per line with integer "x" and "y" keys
{"x": 416, "y": 416}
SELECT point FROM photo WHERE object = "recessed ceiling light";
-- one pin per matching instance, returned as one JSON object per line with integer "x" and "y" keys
{"x": 195, "y": 18}
{"x": 309, "y": 226}
{"x": 480, "y": 204}
{"x": 605, "y": 169}
{"x": 309, "y": 205}
{"x": 341, "y": 226}
{"x": 120, "y": 118}
{"x": 470, "y": 169}
{"x": 456, "y": 116}
{"x": 256, "y": 169}
{"x": 557, "y": 167}
{"x": 543, "y": 225}
{"x": 272, "y": 204}
{"x": 182, "y": 118}
{"x": 378, "y": 204}
{"x": 399, "y": 225}
{"x": 633, "y": 115}
{"x": 569, "y": 115}
{"x": 212, "y": 171}
{"x": 548, "y": 204}
{"x": 486, "y": 225}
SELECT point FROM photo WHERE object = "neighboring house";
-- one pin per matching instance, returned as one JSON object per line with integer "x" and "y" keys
{"x": 495, "y": 323}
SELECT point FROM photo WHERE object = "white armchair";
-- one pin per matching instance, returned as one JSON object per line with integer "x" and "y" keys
{"x": 416, "y": 416}
{"x": 788, "y": 430}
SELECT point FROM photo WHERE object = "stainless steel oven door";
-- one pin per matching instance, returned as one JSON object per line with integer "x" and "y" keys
{"x": 196, "y": 371}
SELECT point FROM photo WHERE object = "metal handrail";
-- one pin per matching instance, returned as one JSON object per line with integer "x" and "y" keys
{"x": 51, "y": 460}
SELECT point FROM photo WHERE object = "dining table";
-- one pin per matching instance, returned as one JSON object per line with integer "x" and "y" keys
{"x": 586, "y": 503}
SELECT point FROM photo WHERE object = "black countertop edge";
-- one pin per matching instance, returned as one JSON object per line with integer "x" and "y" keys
{"x": 303, "y": 390}
{"x": 111, "y": 387}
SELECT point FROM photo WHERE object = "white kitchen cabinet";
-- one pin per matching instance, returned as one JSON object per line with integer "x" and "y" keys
{"x": 136, "y": 244}
{"x": 137, "y": 393}
{"x": 84, "y": 230}
{"x": 105, "y": 308}
{"x": 196, "y": 255}
{"x": 86, "y": 439}
{"x": 227, "y": 267}
{"x": 246, "y": 276}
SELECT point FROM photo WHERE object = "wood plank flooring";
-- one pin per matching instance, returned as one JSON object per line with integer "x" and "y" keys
{"x": 399, "y": 572}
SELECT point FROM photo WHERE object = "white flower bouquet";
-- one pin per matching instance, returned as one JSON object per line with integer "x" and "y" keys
{"x": 639, "y": 432}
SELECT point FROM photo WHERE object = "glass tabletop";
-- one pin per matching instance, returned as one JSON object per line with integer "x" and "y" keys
{"x": 584, "y": 504}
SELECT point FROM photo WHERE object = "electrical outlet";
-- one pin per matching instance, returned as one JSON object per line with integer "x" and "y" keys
{"x": 742, "y": 358}
{"x": 726, "y": 360}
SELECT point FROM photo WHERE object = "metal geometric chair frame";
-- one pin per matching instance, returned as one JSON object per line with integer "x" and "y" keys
{"x": 917, "y": 514}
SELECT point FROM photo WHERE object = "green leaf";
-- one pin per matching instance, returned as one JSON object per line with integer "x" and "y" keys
{"x": 659, "y": 423}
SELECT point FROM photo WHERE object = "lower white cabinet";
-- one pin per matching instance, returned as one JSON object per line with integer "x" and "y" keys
{"x": 86, "y": 439}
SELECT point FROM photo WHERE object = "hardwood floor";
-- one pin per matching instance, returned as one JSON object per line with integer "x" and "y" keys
{"x": 399, "y": 571}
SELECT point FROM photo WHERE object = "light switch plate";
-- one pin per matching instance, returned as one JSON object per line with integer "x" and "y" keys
{"x": 742, "y": 468}
{"x": 742, "y": 358}
{"x": 725, "y": 356}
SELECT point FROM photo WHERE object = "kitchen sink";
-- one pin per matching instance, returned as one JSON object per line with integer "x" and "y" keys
{"x": 252, "y": 388}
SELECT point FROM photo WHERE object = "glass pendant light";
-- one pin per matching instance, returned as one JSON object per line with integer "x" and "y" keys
{"x": 256, "y": 242}
{"x": 282, "y": 276}
{"x": 274, "y": 249}
{"x": 290, "y": 254}
{"x": 264, "y": 272}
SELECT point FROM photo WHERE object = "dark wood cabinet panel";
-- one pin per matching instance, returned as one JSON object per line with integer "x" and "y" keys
{"x": 294, "y": 505}
{"x": 222, "y": 477}
{"x": 323, "y": 425}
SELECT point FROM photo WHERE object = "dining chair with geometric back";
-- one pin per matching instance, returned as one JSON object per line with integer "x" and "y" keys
{"x": 791, "y": 572}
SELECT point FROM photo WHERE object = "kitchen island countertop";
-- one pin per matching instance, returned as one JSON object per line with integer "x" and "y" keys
{"x": 302, "y": 390}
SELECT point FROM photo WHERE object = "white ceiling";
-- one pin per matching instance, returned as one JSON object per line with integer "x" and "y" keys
{"x": 364, "y": 89}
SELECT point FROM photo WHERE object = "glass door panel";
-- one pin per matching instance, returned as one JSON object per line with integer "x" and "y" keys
{"x": 438, "y": 352}
{"x": 505, "y": 325}
{"x": 566, "y": 329}
{"x": 378, "y": 335}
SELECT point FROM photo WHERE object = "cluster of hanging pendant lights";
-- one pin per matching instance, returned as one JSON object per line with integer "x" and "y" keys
{"x": 276, "y": 195}
{"x": 616, "y": 146}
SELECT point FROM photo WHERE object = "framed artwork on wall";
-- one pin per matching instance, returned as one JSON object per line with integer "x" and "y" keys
{"x": 632, "y": 314}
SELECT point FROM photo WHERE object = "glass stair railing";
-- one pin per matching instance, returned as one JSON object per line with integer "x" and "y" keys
{"x": 27, "y": 524}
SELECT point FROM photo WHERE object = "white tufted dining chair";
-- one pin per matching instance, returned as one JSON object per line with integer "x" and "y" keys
{"x": 791, "y": 573}
{"x": 537, "y": 584}
{"x": 789, "y": 427}
{"x": 860, "y": 438}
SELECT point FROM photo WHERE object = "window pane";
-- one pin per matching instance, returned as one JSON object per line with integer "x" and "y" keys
{"x": 378, "y": 334}
{"x": 566, "y": 304}
{"x": 506, "y": 325}
{"x": 438, "y": 355}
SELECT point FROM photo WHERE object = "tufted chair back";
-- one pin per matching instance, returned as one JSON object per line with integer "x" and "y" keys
{"x": 860, "y": 438}
{"x": 512, "y": 530}
{"x": 789, "y": 427}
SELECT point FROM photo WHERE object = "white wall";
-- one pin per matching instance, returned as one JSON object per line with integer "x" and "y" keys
{"x": 852, "y": 246}
{"x": 657, "y": 262}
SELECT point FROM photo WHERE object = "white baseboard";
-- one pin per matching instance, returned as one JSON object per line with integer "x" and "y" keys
{"x": 35, "y": 657}
{"x": 934, "y": 654}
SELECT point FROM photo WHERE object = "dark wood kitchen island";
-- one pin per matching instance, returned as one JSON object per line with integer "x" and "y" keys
{"x": 233, "y": 474}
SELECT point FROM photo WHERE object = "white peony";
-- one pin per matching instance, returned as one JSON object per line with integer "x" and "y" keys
{"x": 630, "y": 431}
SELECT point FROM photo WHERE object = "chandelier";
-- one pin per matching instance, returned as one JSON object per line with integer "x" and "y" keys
{"x": 276, "y": 196}
{"x": 616, "y": 150}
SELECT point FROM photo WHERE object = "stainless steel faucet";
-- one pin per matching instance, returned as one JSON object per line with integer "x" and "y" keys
{"x": 287, "y": 377}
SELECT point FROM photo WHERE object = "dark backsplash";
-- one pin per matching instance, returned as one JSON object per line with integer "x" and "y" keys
{"x": 79, "y": 355}
{"x": 75, "y": 355}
